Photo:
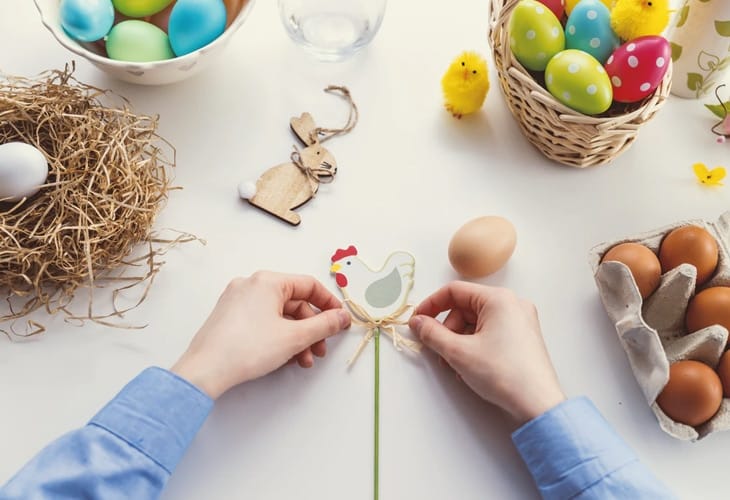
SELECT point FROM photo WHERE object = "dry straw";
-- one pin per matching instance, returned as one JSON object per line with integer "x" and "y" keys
{"x": 560, "y": 133}
{"x": 107, "y": 181}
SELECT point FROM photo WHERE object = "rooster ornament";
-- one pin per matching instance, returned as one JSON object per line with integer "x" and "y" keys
{"x": 381, "y": 293}
{"x": 376, "y": 298}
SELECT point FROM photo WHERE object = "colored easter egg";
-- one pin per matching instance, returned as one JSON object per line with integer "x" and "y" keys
{"x": 589, "y": 29}
{"x": 535, "y": 34}
{"x": 140, "y": 8}
{"x": 195, "y": 23}
{"x": 637, "y": 67}
{"x": 570, "y": 5}
{"x": 556, "y": 6}
{"x": 86, "y": 20}
{"x": 578, "y": 80}
{"x": 23, "y": 169}
{"x": 138, "y": 41}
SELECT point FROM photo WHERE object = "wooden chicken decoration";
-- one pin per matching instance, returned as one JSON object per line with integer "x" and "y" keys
{"x": 377, "y": 299}
{"x": 284, "y": 188}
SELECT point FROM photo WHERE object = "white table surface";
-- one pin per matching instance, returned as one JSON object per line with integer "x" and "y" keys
{"x": 409, "y": 175}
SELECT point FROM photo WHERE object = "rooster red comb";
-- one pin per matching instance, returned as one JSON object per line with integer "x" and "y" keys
{"x": 341, "y": 254}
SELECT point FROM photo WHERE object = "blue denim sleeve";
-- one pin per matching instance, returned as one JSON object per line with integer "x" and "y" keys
{"x": 573, "y": 453}
{"x": 128, "y": 450}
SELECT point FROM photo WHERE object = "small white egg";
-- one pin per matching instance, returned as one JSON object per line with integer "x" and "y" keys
{"x": 23, "y": 170}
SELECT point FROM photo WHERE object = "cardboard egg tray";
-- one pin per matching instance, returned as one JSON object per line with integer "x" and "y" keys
{"x": 653, "y": 333}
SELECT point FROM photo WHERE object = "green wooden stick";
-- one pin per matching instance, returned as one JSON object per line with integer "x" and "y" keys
{"x": 376, "y": 448}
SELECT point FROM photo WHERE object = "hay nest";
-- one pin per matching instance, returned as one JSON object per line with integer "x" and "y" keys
{"x": 108, "y": 179}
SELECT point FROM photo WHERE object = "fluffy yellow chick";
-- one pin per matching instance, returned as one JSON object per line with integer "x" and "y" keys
{"x": 465, "y": 84}
{"x": 634, "y": 18}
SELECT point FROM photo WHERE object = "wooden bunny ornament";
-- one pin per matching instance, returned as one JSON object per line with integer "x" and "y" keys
{"x": 284, "y": 188}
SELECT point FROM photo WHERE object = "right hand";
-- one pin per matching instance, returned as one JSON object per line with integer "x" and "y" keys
{"x": 492, "y": 339}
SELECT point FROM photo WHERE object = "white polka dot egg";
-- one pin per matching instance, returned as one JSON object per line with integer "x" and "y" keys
{"x": 535, "y": 34}
{"x": 579, "y": 81}
{"x": 637, "y": 67}
{"x": 589, "y": 29}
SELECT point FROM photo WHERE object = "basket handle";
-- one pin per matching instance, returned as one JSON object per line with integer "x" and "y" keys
{"x": 499, "y": 12}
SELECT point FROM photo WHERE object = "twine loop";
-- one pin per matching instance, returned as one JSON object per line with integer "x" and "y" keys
{"x": 386, "y": 324}
{"x": 322, "y": 134}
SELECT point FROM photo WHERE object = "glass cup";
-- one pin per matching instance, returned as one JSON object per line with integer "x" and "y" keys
{"x": 332, "y": 30}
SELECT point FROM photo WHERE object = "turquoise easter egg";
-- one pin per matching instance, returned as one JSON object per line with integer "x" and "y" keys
{"x": 138, "y": 41}
{"x": 535, "y": 34}
{"x": 195, "y": 23}
{"x": 140, "y": 8}
{"x": 579, "y": 81}
{"x": 589, "y": 29}
{"x": 86, "y": 20}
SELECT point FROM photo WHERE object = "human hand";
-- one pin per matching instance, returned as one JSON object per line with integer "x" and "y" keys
{"x": 258, "y": 324}
{"x": 492, "y": 339}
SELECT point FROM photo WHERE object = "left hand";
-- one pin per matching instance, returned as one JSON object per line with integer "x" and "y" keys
{"x": 258, "y": 324}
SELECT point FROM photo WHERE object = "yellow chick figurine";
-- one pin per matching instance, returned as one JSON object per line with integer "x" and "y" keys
{"x": 634, "y": 18}
{"x": 465, "y": 84}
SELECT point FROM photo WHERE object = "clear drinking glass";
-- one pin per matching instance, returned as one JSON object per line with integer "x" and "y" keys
{"x": 332, "y": 29}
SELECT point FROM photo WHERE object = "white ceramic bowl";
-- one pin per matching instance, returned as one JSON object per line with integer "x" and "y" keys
{"x": 149, "y": 73}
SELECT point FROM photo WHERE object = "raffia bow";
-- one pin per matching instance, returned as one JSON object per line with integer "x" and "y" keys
{"x": 386, "y": 324}
{"x": 318, "y": 175}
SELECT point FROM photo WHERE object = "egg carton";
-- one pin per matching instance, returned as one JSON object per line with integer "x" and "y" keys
{"x": 652, "y": 331}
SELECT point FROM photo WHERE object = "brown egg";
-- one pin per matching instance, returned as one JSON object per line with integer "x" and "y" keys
{"x": 723, "y": 370}
{"x": 642, "y": 262}
{"x": 482, "y": 246}
{"x": 692, "y": 395}
{"x": 690, "y": 245}
{"x": 709, "y": 307}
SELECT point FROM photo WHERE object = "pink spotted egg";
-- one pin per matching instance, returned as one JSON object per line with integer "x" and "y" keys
{"x": 637, "y": 67}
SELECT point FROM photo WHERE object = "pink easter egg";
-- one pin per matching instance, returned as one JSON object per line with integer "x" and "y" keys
{"x": 556, "y": 6}
{"x": 637, "y": 67}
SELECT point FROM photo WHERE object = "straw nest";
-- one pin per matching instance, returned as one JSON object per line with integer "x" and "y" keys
{"x": 560, "y": 133}
{"x": 107, "y": 181}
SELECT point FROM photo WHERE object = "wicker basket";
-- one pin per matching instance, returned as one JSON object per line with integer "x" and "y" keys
{"x": 560, "y": 133}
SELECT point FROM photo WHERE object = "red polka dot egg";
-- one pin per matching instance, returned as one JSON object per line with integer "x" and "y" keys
{"x": 637, "y": 67}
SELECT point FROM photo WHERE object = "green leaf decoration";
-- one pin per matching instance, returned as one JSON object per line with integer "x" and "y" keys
{"x": 694, "y": 81}
{"x": 722, "y": 28}
{"x": 723, "y": 64}
{"x": 718, "y": 110}
{"x": 704, "y": 1}
{"x": 676, "y": 51}
{"x": 707, "y": 61}
{"x": 683, "y": 16}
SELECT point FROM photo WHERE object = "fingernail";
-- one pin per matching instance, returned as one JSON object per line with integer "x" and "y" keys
{"x": 344, "y": 318}
{"x": 415, "y": 323}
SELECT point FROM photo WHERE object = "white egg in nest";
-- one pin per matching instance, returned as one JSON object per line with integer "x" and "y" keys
{"x": 23, "y": 170}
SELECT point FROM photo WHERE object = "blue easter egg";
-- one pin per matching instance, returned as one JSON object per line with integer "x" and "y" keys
{"x": 195, "y": 23}
{"x": 86, "y": 20}
{"x": 589, "y": 29}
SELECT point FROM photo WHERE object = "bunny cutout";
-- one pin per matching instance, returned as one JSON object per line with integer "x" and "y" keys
{"x": 282, "y": 189}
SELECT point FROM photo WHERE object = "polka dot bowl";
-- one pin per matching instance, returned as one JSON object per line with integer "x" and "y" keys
{"x": 557, "y": 131}
{"x": 149, "y": 73}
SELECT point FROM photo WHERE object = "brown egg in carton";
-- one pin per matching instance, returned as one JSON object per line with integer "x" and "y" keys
{"x": 653, "y": 332}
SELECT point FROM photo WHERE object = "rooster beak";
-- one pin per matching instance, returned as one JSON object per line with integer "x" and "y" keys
{"x": 466, "y": 74}
{"x": 335, "y": 267}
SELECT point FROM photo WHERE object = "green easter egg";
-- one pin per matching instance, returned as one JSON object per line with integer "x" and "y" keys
{"x": 138, "y": 41}
{"x": 535, "y": 34}
{"x": 140, "y": 8}
{"x": 579, "y": 81}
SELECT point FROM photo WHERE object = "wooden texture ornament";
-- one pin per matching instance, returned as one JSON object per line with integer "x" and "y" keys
{"x": 284, "y": 188}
